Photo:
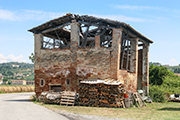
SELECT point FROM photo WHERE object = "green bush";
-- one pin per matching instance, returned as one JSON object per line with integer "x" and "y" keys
{"x": 157, "y": 94}
{"x": 171, "y": 84}
{"x": 162, "y": 83}
{"x": 1, "y": 92}
{"x": 157, "y": 74}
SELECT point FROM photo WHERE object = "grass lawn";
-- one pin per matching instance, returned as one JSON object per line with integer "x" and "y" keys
{"x": 154, "y": 111}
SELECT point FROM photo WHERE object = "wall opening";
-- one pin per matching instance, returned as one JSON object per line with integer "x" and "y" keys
{"x": 80, "y": 82}
{"x": 59, "y": 38}
{"x": 126, "y": 53}
{"x": 55, "y": 88}
{"x": 42, "y": 83}
{"x": 88, "y": 32}
{"x": 68, "y": 81}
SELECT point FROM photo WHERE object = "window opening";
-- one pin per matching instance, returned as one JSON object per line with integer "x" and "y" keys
{"x": 59, "y": 38}
{"x": 42, "y": 82}
{"x": 140, "y": 45}
{"x": 80, "y": 82}
{"x": 88, "y": 32}
{"x": 126, "y": 53}
{"x": 67, "y": 81}
{"x": 55, "y": 88}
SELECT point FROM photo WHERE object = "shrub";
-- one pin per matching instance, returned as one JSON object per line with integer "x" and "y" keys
{"x": 157, "y": 94}
{"x": 157, "y": 74}
{"x": 1, "y": 92}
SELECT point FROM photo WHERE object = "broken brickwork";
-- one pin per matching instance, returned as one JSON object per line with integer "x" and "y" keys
{"x": 73, "y": 48}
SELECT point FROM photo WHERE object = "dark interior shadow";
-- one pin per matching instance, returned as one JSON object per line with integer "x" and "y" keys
{"x": 21, "y": 100}
{"x": 170, "y": 109}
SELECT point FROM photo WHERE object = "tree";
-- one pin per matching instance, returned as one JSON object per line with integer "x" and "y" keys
{"x": 5, "y": 79}
{"x": 157, "y": 74}
{"x": 177, "y": 70}
{"x": 9, "y": 82}
{"x": 22, "y": 78}
{"x": 10, "y": 73}
{"x": 31, "y": 57}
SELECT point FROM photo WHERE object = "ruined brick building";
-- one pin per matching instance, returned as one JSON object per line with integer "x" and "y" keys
{"x": 72, "y": 48}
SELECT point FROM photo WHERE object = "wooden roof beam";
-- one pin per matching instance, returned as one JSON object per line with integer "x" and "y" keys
{"x": 55, "y": 28}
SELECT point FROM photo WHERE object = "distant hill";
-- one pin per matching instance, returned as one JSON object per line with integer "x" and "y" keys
{"x": 15, "y": 70}
{"x": 175, "y": 69}
{"x": 21, "y": 65}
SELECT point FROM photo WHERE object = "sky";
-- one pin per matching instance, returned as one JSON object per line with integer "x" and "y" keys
{"x": 158, "y": 20}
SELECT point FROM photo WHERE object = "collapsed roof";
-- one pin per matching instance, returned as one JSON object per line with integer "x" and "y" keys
{"x": 58, "y": 25}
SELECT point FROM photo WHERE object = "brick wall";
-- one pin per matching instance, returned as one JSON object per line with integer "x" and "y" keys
{"x": 55, "y": 66}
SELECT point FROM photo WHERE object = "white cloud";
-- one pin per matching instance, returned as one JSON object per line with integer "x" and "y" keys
{"x": 11, "y": 58}
{"x": 173, "y": 62}
{"x": 2, "y": 58}
{"x": 133, "y": 7}
{"x": 122, "y": 18}
{"x": 21, "y": 15}
{"x": 7, "y": 15}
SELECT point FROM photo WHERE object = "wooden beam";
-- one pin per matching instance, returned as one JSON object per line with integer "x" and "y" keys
{"x": 127, "y": 59}
{"x": 122, "y": 55}
{"x": 131, "y": 35}
{"x": 55, "y": 28}
{"x": 87, "y": 23}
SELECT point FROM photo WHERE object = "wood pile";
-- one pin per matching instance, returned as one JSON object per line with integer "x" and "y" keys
{"x": 101, "y": 95}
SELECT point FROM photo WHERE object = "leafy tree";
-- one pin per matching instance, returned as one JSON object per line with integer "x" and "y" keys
{"x": 157, "y": 74}
{"x": 22, "y": 78}
{"x": 177, "y": 70}
{"x": 5, "y": 79}
{"x": 9, "y": 82}
{"x": 31, "y": 57}
{"x": 10, "y": 73}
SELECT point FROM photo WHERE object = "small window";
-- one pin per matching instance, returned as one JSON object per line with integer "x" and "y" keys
{"x": 80, "y": 82}
{"x": 67, "y": 81}
{"x": 42, "y": 83}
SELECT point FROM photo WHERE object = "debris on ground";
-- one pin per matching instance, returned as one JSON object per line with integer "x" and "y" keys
{"x": 174, "y": 97}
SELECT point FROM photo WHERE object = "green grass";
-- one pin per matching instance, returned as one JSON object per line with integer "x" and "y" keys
{"x": 154, "y": 111}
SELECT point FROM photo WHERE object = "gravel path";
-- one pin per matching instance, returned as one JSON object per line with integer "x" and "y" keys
{"x": 16, "y": 106}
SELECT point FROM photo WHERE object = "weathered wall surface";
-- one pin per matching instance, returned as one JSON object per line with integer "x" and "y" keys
{"x": 53, "y": 67}
{"x": 129, "y": 80}
{"x": 56, "y": 65}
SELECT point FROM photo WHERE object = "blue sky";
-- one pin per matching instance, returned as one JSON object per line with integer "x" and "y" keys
{"x": 159, "y": 20}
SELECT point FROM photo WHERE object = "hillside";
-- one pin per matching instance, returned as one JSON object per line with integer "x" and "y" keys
{"x": 15, "y": 70}
{"x": 175, "y": 69}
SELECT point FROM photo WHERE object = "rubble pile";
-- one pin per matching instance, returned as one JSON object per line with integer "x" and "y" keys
{"x": 50, "y": 97}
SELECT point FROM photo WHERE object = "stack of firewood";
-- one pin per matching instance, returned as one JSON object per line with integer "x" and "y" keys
{"x": 101, "y": 95}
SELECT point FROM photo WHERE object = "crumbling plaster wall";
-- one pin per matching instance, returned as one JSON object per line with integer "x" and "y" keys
{"x": 56, "y": 65}
{"x": 129, "y": 78}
